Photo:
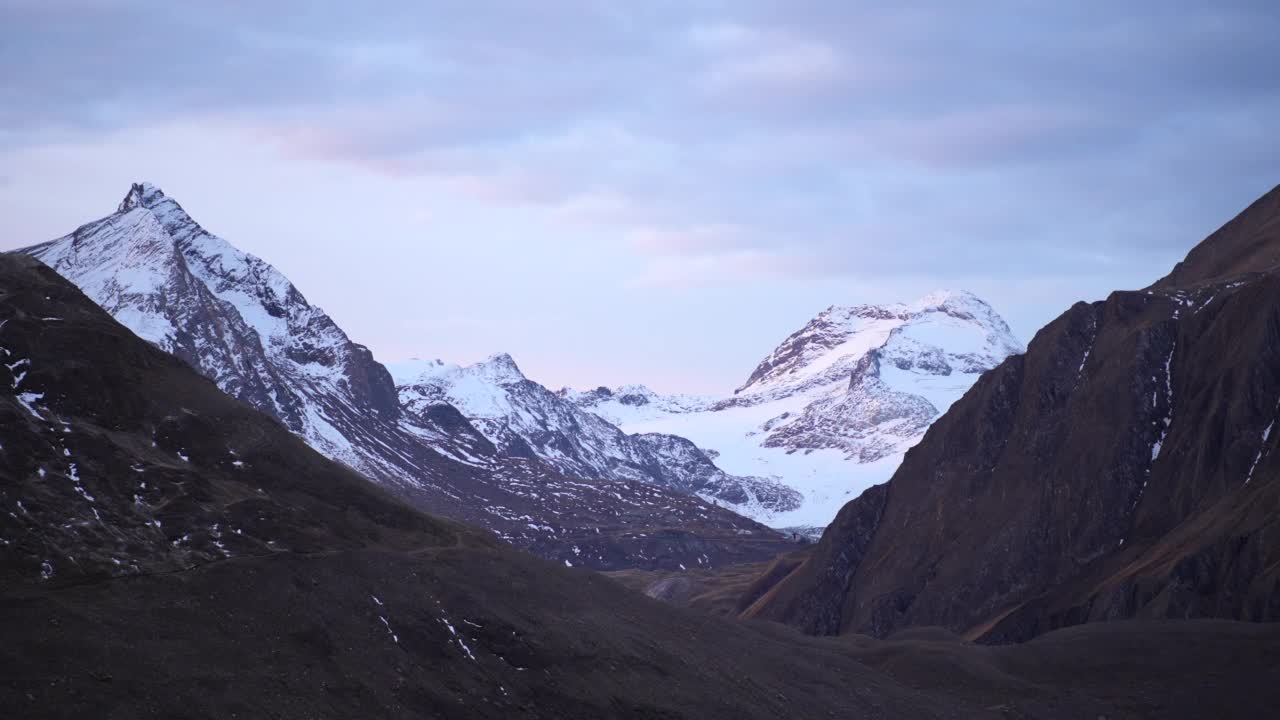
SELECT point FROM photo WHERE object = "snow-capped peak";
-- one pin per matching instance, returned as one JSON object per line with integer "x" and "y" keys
{"x": 500, "y": 368}
{"x": 142, "y": 194}
{"x": 964, "y": 305}
{"x": 832, "y": 409}
{"x": 229, "y": 314}
{"x": 957, "y": 323}
{"x": 871, "y": 378}
{"x": 497, "y": 369}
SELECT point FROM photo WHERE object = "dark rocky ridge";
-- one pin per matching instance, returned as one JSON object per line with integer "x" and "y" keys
{"x": 1124, "y": 467}
{"x": 281, "y": 584}
{"x": 1243, "y": 245}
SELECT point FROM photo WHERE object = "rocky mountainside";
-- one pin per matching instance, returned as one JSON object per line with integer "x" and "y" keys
{"x": 166, "y": 551}
{"x": 1124, "y": 467}
{"x": 242, "y": 324}
{"x": 524, "y": 419}
{"x": 833, "y": 408}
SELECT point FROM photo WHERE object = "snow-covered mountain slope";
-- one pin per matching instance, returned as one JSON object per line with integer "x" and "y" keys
{"x": 524, "y": 419}
{"x": 233, "y": 317}
{"x": 635, "y": 403}
{"x": 878, "y": 375}
{"x": 834, "y": 407}
{"x": 241, "y": 323}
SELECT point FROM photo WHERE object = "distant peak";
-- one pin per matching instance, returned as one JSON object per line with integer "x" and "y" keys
{"x": 808, "y": 355}
{"x": 142, "y": 194}
{"x": 501, "y": 359}
{"x": 501, "y": 367}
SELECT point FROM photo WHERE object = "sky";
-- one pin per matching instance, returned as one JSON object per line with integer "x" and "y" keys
{"x": 656, "y": 192}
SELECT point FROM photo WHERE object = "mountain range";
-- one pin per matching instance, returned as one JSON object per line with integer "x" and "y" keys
{"x": 829, "y": 412}
{"x": 524, "y": 419}
{"x": 242, "y": 324}
{"x": 833, "y": 408}
{"x": 167, "y": 551}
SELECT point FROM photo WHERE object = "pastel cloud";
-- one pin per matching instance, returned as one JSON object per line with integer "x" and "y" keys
{"x": 708, "y": 144}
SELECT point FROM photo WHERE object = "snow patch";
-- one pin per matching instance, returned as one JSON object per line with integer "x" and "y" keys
{"x": 28, "y": 401}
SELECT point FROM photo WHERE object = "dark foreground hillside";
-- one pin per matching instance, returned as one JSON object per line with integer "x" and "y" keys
{"x": 168, "y": 552}
{"x": 296, "y": 636}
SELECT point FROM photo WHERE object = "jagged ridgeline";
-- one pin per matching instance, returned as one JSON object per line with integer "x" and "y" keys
{"x": 612, "y": 500}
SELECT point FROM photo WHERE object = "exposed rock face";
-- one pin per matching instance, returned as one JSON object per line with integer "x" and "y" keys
{"x": 833, "y": 408}
{"x": 525, "y": 419}
{"x": 243, "y": 325}
{"x": 869, "y": 421}
{"x": 1124, "y": 467}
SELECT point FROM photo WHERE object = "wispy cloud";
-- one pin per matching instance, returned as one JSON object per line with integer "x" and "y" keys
{"x": 742, "y": 60}
{"x": 713, "y": 143}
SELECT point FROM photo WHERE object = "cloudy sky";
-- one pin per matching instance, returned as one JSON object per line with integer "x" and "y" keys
{"x": 649, "y": 191}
